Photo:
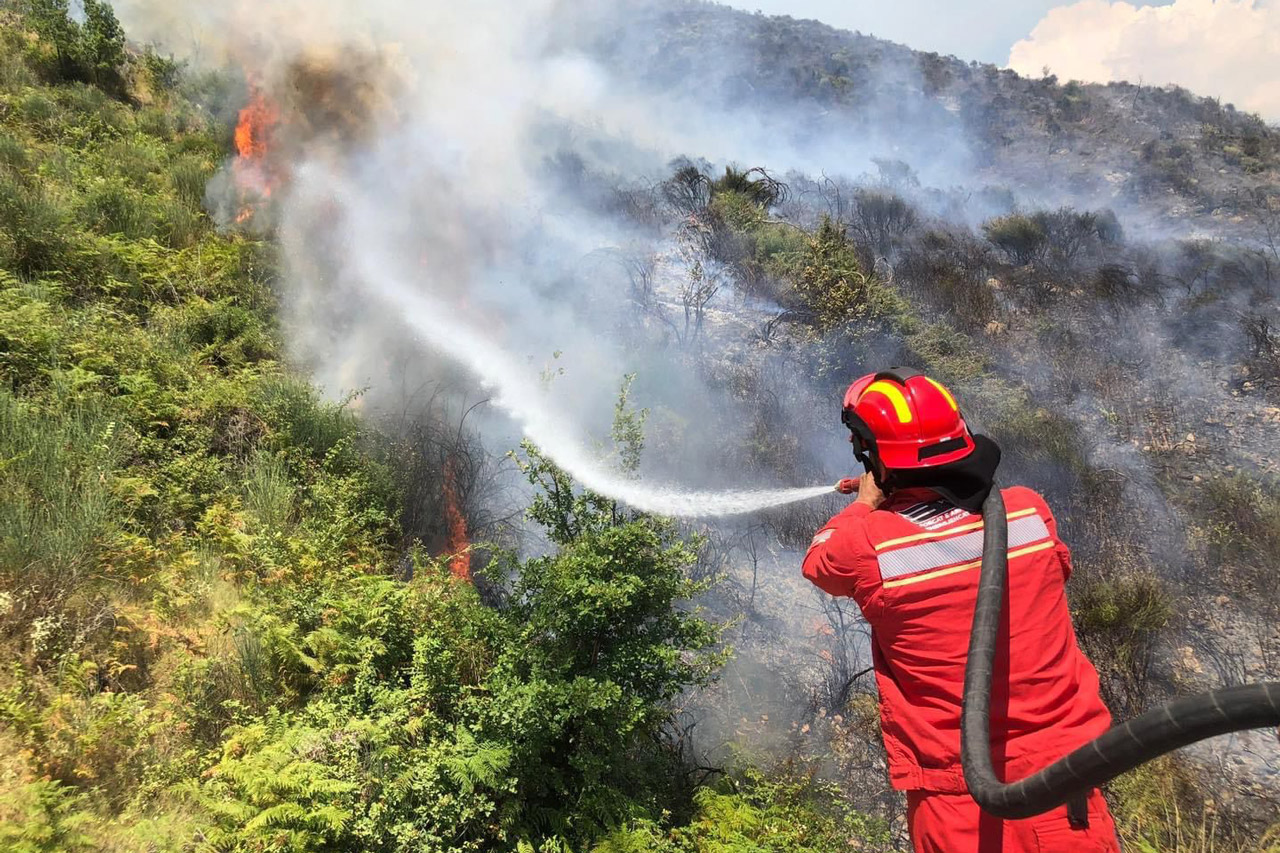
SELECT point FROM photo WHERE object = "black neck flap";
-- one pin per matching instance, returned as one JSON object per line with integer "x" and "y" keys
{"x": 966, "y": 483}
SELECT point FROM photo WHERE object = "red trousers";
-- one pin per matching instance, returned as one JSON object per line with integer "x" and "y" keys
{"x": 953, "y": 823}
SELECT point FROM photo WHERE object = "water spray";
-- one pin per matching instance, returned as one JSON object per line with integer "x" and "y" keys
{"x": 519, "y": 395}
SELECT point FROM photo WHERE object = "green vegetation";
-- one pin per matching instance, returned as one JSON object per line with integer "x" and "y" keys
{"x": 831, "y": 282}
{"x": 756, "y": 814}
{"x": 1159, "y": 808}
{"x": 1021, "y": 238}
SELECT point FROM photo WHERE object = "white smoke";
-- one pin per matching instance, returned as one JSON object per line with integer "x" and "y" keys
{"x": 378, "y": 271}
{"x": 1225, "y": 48}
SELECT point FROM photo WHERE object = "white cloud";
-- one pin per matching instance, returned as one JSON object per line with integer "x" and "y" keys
{"x": 1228, "y": 48}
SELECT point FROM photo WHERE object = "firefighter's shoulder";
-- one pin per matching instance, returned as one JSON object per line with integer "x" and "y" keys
{"x": 849, "y": 524}
{"x": 1024, "y": 497}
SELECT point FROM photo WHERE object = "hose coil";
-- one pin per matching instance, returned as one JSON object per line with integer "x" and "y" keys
{"x": 1119, "y": 750}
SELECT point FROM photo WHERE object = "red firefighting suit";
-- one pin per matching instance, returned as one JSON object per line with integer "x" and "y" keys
{"x": 912, "y": 566}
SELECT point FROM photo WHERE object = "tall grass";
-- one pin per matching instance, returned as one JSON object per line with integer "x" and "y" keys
{"x": 32, "y": 226}
{"x": 55, "y": 476}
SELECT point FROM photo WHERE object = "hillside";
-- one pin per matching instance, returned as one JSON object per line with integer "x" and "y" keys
{"x": 247, "y": 608}
{"x": 1153, "y": 153}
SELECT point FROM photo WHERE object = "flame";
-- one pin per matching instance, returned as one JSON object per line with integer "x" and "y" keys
{"x": 255, "y": 130}
{"x": 458, "y": 543}
{"x": 257, "y": 120}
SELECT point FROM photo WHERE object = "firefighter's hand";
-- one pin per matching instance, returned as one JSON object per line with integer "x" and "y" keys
{"x": 869, "y": 493}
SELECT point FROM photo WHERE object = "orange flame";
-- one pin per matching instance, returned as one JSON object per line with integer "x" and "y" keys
{"x": 254, "y": 132}
{"x": 457, "y": 542}
{"x": 257, "y": 122}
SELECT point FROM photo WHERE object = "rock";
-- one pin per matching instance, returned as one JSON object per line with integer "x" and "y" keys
{"x": 1188, "y": 661}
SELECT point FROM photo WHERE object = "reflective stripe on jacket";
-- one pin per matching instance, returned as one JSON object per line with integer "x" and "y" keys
{"x": 912, "y": 566}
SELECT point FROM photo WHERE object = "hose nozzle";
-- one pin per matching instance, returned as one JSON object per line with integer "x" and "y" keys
{"x": 847, "y": 486}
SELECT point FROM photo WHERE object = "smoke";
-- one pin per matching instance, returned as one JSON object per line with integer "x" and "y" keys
{"x": 1225, "y": 48}
{"x": 377, "y": 270}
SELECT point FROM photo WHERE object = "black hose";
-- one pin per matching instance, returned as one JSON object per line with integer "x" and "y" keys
{"x": 1119, "y": 750}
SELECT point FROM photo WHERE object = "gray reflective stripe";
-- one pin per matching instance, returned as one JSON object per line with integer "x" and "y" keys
{"x": 823, "y": 536}
{"x": 960, "y": 549}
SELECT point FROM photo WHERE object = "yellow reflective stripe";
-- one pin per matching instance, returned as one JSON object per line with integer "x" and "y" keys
{"x": 896, "y": 397}
{"x": 952, "y": 400}
{"x": 940, "y": 573}
{"x": 938, "y": 534}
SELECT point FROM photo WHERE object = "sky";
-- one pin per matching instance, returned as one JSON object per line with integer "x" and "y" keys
{"x": 984, "y": 30}
{"x": 1222, "y": 48}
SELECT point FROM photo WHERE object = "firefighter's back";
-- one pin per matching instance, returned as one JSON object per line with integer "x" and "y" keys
{"x": 1045, "y": 698}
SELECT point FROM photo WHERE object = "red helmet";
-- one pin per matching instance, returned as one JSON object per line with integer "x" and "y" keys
{"x": 905, "y": 419}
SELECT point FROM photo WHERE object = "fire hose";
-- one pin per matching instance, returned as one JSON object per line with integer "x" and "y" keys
{"x": 1119, "y": 750}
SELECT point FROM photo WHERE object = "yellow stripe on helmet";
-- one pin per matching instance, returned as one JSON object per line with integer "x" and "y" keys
{"x": 945, "y": 393}
{"x": 896, "y": 397}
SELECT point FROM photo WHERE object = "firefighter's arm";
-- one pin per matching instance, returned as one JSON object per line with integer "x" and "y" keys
{"x": 1059, "y": 547}
{"x": 840, "y": 559}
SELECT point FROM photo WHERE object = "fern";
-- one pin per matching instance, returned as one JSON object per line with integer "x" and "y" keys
{"x": 474, "y": 764}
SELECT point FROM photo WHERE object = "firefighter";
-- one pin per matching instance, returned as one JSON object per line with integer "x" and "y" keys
{"x": 908, "y": 551}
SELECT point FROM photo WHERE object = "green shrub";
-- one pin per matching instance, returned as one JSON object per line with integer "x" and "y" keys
{"x": 1244, "y": 517}
{"x": 738, "y": 210}
{"x": 431, "y": 717}
{"x": 133, "y": 162}
{"x": 14, "y": 73}
{"x": 179, "y": 226}
{"x": 947, "y": 353}
{"x": 757, "y": 186}
{"x": 1161, "y": 807}
{"x": 156, "y": 122}
{"x": 32, "y": 229}
{"x": 90, "y": 51}
{"x": 45, "y": 817}
{"x": 269, "y": 492}
{"x": 831, "y": 283}
{"x": 1009, "y": 415}
{"x": 758, "y": 814}
{"x": 778, "y": 240}
{"x": 30, "y": 334}
{"x": 1021, "y": 238}
{"x": 115, "y": 207}
{"x": 302, "y": 421}
{"x": 164, "y": 73}
{"x": 1120, "y": 617}
{"x": 41, "y": 114}
{"x": 58, "y": 507}
{"x": 189, "y": 175}
{"x": 13, "y": 153}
